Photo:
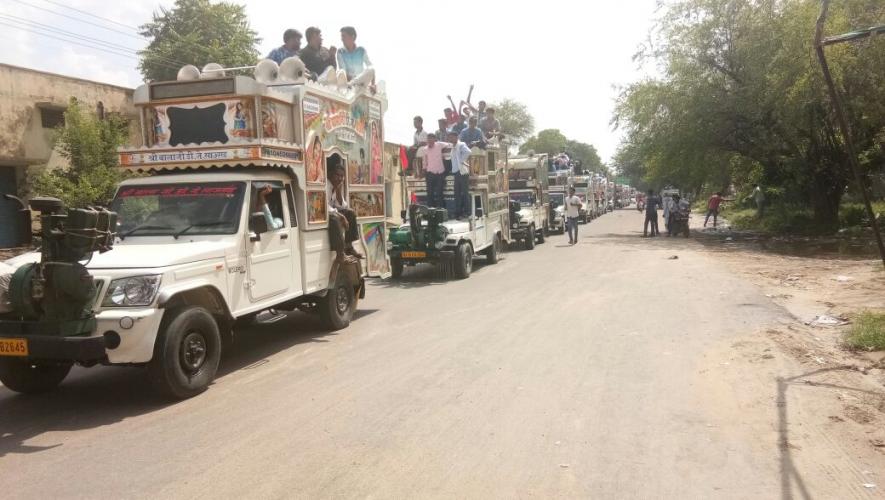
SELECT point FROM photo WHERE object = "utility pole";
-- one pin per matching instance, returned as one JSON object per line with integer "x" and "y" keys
{"x": 819, "y": 43}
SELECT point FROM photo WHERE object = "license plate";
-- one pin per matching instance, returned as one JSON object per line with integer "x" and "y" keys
{"x": 413, "y": 255}
{"x": 13, "y": 347}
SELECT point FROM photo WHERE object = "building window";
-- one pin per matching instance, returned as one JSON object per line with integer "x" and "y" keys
{"x": 52, "y": 117}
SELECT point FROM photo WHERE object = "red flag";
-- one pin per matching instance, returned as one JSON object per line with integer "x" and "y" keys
{"x": 403, "y": 157}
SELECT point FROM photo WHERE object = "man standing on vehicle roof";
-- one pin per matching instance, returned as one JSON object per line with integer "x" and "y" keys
{"x": 317, "y": 58}
{"x": 461, "y": 173}
{"x": 434, "y": 170}
{"x": 343, "y": 229}
{"x": 291, "y": 46}
{"x": 572, "y": 211}
{"x": 490, "y": 125}
{"x": 652, "y": 203}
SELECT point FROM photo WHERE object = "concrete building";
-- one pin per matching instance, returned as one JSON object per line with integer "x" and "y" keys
{"x": 32, "y": 104}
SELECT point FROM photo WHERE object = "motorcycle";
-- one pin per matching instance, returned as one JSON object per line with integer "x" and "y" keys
{"x": 640, "y": 205}
{"x": 679, "y": 218}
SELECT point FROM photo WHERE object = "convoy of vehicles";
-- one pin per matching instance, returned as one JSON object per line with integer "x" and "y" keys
{"x": 228, "y": 222}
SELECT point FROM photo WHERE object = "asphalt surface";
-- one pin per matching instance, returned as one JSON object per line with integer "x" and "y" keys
{"x": 566, "y": 371}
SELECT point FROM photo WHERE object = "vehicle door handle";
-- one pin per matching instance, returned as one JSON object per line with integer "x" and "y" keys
{"x": 284, "y": 236}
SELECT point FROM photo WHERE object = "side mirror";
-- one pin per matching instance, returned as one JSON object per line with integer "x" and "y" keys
{"x": 402, "y": 214}
{"x": 479, "y": 212}
{"x": 258, "y": 225}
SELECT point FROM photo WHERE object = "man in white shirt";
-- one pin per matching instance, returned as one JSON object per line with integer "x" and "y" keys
{"x": 343, "y": 229}
{"x": 434, "y": 170}
{"x": 419, "y": 139}
{"x": 572, "y": 210}
{"x": 461, "y": 173}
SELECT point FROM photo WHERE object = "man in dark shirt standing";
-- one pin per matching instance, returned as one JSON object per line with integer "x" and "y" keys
{"x": 651, "y": 214}
{"x": 317, "y": 58}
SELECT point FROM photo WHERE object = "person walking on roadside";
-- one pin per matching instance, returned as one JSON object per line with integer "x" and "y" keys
{"x": 713, "y": 208}
{"x": 572, "y": 210}
{"x": 759, "y": 197}
{"x": 651, "y": 214}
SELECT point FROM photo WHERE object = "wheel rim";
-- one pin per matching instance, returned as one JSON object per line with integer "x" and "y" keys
{"x": 342, "y": 301}
{"x": 193, "y": 352}
{"x": 468, "y": 260}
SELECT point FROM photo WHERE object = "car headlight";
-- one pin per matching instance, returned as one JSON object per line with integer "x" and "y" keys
{"x": 134, "y": 291}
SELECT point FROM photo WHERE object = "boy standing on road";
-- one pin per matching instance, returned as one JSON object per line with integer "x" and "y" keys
{"x": 572, "y": 210}
{"x": 713, "y": 208}
{"x": 651, "y": 214}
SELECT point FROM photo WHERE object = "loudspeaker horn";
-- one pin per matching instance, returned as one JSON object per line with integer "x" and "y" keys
{"x": 267, "y": 71}
{"x": 212, "y": 70}
{"x": 292, "y": 70}
{"x": 189, "y": 72}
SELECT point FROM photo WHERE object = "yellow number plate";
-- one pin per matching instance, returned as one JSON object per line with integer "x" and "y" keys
{"x": 13, "y": 347}
{"x": 413, "y": 255}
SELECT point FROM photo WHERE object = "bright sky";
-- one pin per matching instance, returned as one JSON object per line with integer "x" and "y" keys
{"x": 564, "y": 59}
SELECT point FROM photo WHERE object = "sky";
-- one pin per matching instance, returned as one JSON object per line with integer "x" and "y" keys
{"x": 565, "y": 60}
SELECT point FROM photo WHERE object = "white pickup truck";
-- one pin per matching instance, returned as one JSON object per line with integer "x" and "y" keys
{"x": 193, "y": 257}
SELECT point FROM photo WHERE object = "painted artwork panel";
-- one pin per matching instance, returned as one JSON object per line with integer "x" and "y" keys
{"x": 367, "y": 204}
{"x": 372, "y": 235}
{"x": 316, "y": 207}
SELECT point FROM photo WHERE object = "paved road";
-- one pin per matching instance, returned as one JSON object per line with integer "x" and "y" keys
{"x": 585, "y": 371}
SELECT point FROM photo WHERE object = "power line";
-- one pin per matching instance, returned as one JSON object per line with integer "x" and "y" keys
{"x": 133, "y": 28}
{"x": 97, "y": 41}
{"x": 137, "y": 37}
{"x": 82, "y": 44}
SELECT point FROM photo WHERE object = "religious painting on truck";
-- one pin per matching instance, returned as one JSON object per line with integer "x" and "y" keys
{"x": 367, "y": 204}
{"x": 372, "y": 235}
{"x": 316, "y": 207}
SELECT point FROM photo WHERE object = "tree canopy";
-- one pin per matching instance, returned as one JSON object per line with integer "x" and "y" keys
{"x": 741, "y": 100}
{"x": 516, "y": 121}
{"x": 89, "y": 144}
{"x": 197, "y": 32}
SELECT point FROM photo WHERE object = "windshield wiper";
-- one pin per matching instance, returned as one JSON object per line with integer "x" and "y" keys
{"x": 139, "y": 228}
{"x": 200, "y": 224}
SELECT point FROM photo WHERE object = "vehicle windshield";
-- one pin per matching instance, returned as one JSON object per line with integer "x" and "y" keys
{"x": 173, "y": 209}
{"x": 557, "y": 199}
{"x": 525, "y": 199}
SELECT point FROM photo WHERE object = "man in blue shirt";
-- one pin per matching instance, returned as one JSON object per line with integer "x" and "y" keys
{"x": 461, "y": 174}
{"x": 352, "y": 59}
{"x": 459, "y": 126}
{"x": 472, "y": 135}
{"x": 290, "y": 47}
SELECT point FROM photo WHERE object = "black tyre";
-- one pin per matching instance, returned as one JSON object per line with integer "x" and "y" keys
{"x": 463, "y": 261}
{"x": 542, "y": 235}
{"x": 339, "y": 304}
{"x": 396, "y": 268}
{"x": 686, "y": 231}
{"x": 186, "y": 353}
{"x": 492, "y": 252}
{"x": 21, "y": 375}
{"x": 530, "y": 239}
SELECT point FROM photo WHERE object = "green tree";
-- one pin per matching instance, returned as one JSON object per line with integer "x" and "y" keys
{"x": 549, "y": 141}
{"x": 89, "y": 144}
{"x": 197, "y": 32}
{"x": 741, "y": 100}
{"x": 587, "y": 153}
{"x": 516, "y": 121}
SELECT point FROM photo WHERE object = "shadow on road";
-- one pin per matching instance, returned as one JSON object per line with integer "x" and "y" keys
{"x": 424, "y": 275}
{"x": 791, "y": 478}
{"x": 104, "y": 395}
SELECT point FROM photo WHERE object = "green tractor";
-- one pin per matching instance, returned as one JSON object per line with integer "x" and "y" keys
{"x": 47, "y": 323}
{"x": 423, "y": 239}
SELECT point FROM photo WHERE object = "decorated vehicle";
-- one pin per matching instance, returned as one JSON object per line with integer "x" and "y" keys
{"x": 557, "y": 209}
{"x": 581, "y": 183}
{"x": 227, "y": 223}
{"x": 430, "y": 236}
{"x": 529, "y": 198}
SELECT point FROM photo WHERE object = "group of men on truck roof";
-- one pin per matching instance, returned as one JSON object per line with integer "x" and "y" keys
{"x": 319, "y": 60}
